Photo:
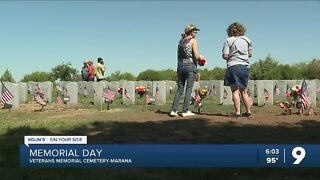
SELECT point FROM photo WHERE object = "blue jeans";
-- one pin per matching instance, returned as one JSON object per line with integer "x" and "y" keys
{"x": 183, "y": 77}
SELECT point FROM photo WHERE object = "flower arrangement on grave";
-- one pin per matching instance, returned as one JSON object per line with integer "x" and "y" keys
{"x": 203, "y": 92}
{"x": 199, "y": 95}
{"x": 141, "y": 90}
{"x": 293, "y": 100}
{"x": 120, "y": 89}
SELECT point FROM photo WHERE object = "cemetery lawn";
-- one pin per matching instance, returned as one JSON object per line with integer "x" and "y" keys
{"x": 151, "y": 125}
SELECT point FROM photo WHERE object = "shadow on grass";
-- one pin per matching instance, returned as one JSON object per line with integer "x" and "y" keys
{"x": 199, "y": 114}
{"x": 189, "y": 131}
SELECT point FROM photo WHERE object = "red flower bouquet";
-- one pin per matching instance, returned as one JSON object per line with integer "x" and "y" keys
{"x": 141, "y": 90}
{"x": 202, "y": 61}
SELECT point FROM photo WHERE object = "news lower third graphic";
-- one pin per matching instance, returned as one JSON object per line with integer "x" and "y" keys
{"x": 73, "y": 151}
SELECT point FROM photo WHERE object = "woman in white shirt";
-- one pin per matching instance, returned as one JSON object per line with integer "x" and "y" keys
{"x": 236, "y": 51}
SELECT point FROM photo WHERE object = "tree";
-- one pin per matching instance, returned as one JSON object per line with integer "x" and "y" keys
{"x": 117, "y": 76}
{"x": 288, "y": 72}
{"x": 38, "y": 77}
{"x": 7, "y": 76}
{"x": 300, "y": 70}
{"x": 127, "y": 76}
{"x": 205, "y": 74}
{"x": 313, "y": 68}
{"x": 65, "y": 72}
{"x": 260, "y": 69}
{"x": 114, "y": 76}
{"x": 218, "y": 73}
{"x": 215, "y": 74}
{"x": 273, "y": 74}
{"x": 149, "y": 75}
{"x": 168, "y": 74}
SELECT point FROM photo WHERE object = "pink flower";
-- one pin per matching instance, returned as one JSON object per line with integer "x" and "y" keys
{"x": 288, "y": 94}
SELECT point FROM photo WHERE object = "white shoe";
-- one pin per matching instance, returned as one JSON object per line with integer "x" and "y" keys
{"x": 174, "y": 113}
{"x": 189, "y": 113}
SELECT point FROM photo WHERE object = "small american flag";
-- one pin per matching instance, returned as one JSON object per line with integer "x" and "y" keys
{"x": 288, "y": 92}
{"x": 225, "y": 94}
{"x": 126, "y": 94}
{"x": 59, "y": 100}
{"x": 38, "y": 89}
{"x": 276, "y": 90}
{"x": 39, "y": 93}
{"x": 157, "y": 93}
{"x": 5, "y": 94}
{"x": 39, "y": 99}
{"x": 58, "y": 87}
{"x": 109, "y": 94}
{"x": 305, "y": 99}
{"x": 266, "y": 95}
{"x": 85, "y": 91}
{"x": 197, "y": 99}
{"x": 148, "y": 101}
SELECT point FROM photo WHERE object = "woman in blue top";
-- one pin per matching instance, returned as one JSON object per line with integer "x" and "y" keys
{"x": 236, "y": 51}
{"x": 186, "y": 70}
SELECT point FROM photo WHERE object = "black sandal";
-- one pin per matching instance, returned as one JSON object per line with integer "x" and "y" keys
{"x": 246, "y": 114}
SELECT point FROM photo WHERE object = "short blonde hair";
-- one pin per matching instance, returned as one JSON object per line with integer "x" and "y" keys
{"x": 236, "y": 29}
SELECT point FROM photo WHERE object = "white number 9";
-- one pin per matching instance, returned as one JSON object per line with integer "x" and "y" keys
{"x": 299, "y": 157}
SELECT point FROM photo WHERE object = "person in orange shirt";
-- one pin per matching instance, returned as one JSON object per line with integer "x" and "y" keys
{"x": 91, "y": 74}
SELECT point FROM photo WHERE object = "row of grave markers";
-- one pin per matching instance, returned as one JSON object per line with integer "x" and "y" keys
{"x": 268, "y": 91}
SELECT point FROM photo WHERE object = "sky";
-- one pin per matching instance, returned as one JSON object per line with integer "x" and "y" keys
{"x": 133, "y": 36}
